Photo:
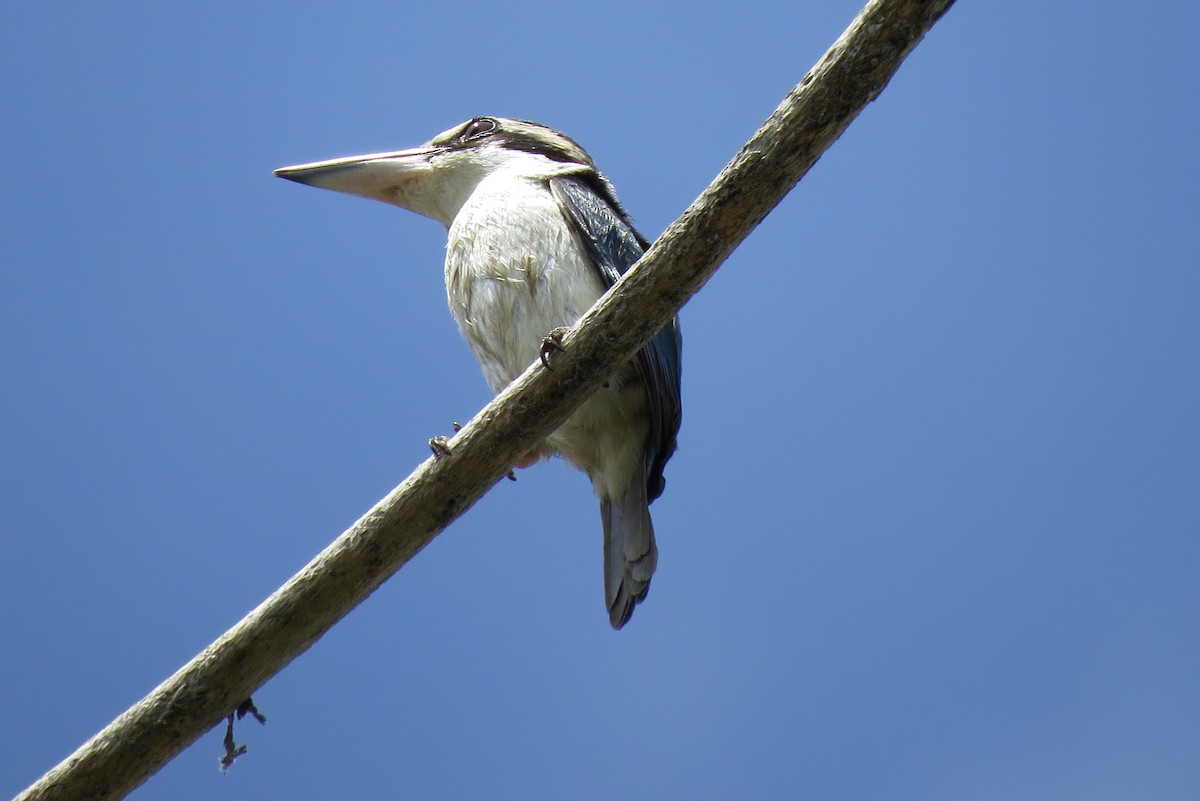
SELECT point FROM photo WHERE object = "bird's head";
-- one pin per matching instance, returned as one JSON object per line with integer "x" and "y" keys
{"x": 436, "y": 179}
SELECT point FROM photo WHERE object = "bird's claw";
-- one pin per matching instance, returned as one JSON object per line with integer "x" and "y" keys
{"x": 552, "y": 343}
{"x": 440, "y": 446}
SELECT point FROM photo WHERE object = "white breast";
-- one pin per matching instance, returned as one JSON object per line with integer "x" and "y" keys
{"x": 514, "y": 272}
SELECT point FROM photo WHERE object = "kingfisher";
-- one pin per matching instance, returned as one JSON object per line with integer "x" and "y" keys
{"x": 535, "y": 236}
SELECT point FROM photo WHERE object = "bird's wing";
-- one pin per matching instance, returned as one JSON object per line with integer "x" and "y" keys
{"x": 614, "y": 245}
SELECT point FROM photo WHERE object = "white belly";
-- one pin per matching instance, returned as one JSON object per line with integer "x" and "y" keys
{"x": 514, "y": 272}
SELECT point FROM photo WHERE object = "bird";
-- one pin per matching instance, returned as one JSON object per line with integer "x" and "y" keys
{"x": 535, "y": 235}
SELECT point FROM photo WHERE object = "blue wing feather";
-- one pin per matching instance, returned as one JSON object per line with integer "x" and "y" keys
{"x": 614, "y": 245}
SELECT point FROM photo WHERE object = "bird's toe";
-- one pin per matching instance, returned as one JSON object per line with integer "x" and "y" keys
{"x": 551, "y": 344}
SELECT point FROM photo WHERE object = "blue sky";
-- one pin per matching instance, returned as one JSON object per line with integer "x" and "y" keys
{"x": 932, "y": 530}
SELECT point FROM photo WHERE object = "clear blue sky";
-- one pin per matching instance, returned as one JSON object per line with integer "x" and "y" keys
{"x": 933, "y": 530}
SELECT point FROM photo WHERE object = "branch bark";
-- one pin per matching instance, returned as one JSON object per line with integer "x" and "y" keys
{"x": 200, "y": 694}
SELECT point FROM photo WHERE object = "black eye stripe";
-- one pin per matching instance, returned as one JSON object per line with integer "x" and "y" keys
{"x": 532, "y": 144}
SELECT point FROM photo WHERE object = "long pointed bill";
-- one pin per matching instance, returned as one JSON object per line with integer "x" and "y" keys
{"x": 378, "y": 176}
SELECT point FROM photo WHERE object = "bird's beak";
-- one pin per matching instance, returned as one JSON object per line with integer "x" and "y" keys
{"x": 389, "y": 177}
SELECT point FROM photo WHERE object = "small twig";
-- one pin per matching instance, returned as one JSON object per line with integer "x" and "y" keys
{"x": 233, "y": 751}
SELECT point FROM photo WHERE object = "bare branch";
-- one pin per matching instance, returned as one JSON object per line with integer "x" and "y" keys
{"x": 204, "y": 691}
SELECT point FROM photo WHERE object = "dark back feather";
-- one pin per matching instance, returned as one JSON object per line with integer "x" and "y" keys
{"x": 614, "y": 245}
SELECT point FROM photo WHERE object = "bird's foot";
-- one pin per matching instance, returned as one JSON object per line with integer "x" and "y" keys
{"x": 552, "y": 343}
{"x": 441, "y": 445}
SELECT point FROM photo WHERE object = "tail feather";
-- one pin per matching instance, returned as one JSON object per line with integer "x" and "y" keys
{"x": 630, "y": 554}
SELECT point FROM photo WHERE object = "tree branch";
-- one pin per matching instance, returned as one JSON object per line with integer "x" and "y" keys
{"x": 201, "y": 693}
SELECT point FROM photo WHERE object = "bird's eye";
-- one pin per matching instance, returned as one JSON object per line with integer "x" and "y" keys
{"x": 478, "y": 127}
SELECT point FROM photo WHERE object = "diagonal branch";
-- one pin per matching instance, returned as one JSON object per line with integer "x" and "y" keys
{"x": 201, "y": 693}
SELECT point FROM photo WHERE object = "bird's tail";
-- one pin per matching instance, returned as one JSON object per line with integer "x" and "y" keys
{"x": 630, "y": 554}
